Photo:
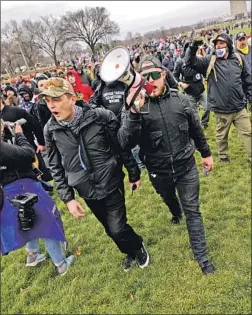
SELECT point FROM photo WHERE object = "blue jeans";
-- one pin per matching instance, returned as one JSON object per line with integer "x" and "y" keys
{"x": 187, "y": 187}
{"x": 53, "y": 247}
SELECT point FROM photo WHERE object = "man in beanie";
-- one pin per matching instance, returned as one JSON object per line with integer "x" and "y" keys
{"x": 81, "y": 156}
{"x": 166, "y": 135}
{"x": 229, "y": 85}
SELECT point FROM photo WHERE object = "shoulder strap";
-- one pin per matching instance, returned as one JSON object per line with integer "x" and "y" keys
{"x": 239, "y": 59}
{"x": 174, "y": 92}
{"x": 211, "y": 67}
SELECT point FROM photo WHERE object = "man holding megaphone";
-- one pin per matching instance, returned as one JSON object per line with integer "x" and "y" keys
{"x": 166, "y": 134}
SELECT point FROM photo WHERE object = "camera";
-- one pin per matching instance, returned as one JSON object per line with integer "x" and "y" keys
{"x": 26, "y": 213}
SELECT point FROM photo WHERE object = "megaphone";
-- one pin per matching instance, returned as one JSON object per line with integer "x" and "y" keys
{"x": 116, "y": 66}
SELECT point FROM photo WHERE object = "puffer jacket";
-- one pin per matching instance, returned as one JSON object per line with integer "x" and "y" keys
{"x": 227, "y": 93}
{"x": 83, "y": 158}
{"x": 165, "y": 134}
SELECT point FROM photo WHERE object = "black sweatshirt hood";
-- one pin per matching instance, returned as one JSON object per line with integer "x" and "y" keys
{"x": 225, "y": 37}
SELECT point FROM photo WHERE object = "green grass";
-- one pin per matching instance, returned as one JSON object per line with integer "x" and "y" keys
{"x": 173, "y": 282}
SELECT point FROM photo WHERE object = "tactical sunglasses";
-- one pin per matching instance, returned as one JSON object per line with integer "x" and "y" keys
{"x": 155, "y": 75}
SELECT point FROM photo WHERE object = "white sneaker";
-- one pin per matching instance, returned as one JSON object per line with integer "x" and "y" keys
{"x": 33, "y": 260}
{"x": 64, "y": 267}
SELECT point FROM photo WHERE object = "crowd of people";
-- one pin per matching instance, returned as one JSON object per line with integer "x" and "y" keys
{"x": 78, "y": 133}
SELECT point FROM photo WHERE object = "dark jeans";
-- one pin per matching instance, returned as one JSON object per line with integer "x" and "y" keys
{"x": 111, "y": 212}
{"x": 187, "y": 187}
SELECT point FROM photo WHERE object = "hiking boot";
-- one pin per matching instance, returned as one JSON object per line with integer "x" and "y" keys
{"x": 176, "y": 219}
{"x": 63, "y": 268}
{"x": 33, "y": 260}
{"x": 142, "y": 257}
{"x": 207, "y": 267}
{"x": 225, "y": 160}
{"x": 127, "y": 263}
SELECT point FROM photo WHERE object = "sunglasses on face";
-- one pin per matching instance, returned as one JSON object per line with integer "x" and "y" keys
{"x": 155, "y": 75}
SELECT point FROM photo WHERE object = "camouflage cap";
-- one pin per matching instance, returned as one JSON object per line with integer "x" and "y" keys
{"x": 56, "y": 87}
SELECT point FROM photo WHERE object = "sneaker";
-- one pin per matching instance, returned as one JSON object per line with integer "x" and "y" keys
{"x": 225, "y": 160}
{"x": 207, "y": 268}
{"x": 142, "y": 257}
{"x": 33, "y": 260}
{"x": 176, "y": 219}
{"x": 63, "y": 268}
{"x": 127, "y": 263}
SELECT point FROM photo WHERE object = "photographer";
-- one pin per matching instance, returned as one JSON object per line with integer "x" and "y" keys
{"x": 25, "y": 222}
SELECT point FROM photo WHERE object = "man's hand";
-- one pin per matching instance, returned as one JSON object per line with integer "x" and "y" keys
{"x": 183, "y": 85}
{"x": 136, "y": 185}
{"x": 198, "y": 42}
{"x": 40, "y": 148}
{"x": 76, "y": 209}
{"x": 18, "y": 129}
{"x": 139, "y": 101}
{"x": 208, "y": 163}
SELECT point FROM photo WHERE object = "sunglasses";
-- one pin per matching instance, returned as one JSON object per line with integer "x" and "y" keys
{"x": 155, "y": 75}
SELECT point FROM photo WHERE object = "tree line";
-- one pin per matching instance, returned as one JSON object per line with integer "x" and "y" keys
{"x": 57, "y": 38}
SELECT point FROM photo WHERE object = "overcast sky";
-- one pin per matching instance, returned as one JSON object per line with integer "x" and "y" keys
{"x": 134, "y": 16}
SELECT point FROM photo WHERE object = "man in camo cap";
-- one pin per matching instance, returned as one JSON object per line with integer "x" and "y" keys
{"x": 83, "y": 154}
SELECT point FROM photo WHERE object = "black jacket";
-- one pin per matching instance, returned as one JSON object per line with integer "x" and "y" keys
{"x": 190, "y": 76}
{"x": 110, "y": 97}
{"x": 12, "y": 114}
{"x": 165, "y": 134}
{"x": 113, "y": 98}
{"x": 83, "y": 158}
{"x": 227, "y": 94}
{"x": 42, "y": 112}
{"x": 16, "y": 160}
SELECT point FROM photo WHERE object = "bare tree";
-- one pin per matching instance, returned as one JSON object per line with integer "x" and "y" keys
{"x": 89, "y": 25}
{"x": 10, "y": 58}
{"x": 46, "y": 34}
{"x": 14, "y": 34}
{"x": 69, "y": 49}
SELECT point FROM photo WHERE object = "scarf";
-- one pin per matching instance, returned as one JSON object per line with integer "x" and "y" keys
{"x": 245, "y": 50}
{"x": 72, "y": 124}
{"x": 27, "y": 106}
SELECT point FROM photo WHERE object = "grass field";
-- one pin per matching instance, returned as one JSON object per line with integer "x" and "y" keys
{"x": 173, "y": 283}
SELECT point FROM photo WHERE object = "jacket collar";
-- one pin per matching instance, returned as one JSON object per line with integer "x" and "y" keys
{"x": 88, "y": 116}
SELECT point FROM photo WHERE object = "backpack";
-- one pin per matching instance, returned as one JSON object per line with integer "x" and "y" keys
{"x": 212, "y": 63}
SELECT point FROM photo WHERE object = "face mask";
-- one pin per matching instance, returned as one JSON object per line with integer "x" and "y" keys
{"x": 245, "y": 50}
{"x": 220, "y": 53}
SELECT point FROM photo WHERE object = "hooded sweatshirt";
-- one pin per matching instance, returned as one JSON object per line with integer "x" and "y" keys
{"x": 227, "y": 90}
{"x": 83, "y": 91}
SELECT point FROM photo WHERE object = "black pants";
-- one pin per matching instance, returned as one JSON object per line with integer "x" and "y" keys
{"x": 187, "y": 187}
{"x": 111, "y": 212}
